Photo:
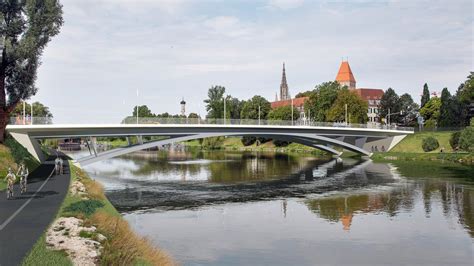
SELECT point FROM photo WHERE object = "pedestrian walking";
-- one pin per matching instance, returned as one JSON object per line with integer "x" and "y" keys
{"x": 10, "y": 179}
{"x": 61, "y": 166}
{"x": 23, "y": 174}
{"x": 56, "y": 166}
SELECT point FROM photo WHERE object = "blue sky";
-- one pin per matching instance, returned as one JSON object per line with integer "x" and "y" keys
{"x": 169, "y": 49}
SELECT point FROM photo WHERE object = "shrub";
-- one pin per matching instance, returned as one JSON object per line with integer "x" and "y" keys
{"x": 280, "y": 143}
{"x": 466, "y": 139}
{"x": 429, "y": 144}
{"x": 248, "y": 140}
{"x": 454, "y": 140}
{"x": 212, "y": 143}
{"x": 87, "y": 207}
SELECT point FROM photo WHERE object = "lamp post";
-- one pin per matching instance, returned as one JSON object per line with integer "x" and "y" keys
{"x": 224, "y": 109}
{"x": 345, "y": 106}
{"x": 31, "y": 113}
{"x": 259, "y": 114}
{"x": 390, "y": 114}
{"x": 137, "y": 107}
{"x": 292, "y": 123}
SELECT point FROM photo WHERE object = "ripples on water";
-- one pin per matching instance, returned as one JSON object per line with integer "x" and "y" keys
{"x": 246, "y": 208}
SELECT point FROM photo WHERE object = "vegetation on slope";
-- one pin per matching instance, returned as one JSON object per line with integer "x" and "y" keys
{"x": 122, "y": 246}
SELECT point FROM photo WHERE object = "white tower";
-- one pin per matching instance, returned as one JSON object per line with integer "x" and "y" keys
{"x": 183, "y": 107}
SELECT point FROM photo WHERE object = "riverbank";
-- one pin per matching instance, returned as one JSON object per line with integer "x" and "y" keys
{"x": 11, "y": 155}
{"x": 88, "y": 229}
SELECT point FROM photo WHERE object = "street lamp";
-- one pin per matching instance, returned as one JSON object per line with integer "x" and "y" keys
{"x": 225, "y": 100}
{"x": 390, "y": 114}
{"x": 292, "y": 123}
{"x": 259, "y": 114}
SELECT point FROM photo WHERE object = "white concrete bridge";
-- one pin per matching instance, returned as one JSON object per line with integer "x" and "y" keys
{"x": 361, "y": 139}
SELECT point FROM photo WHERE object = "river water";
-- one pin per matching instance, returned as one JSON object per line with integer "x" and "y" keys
{"x": 233, "y": 208}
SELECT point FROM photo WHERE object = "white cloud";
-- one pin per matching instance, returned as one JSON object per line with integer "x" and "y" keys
{"x": 108, "y": 48}
{"x": 285, "y": 4}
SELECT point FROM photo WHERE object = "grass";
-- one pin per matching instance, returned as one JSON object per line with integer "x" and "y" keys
{"x": 235, "y": 144}
{"x": 409, "y": 149}
{"x": 122, "y": 246}
{"x": 12, "y": 154}
{"x": 412, "y": 143}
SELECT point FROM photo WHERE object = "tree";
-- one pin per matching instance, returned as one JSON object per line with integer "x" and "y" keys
{"x": 356, "y": 108}
{"x": 466, "y": 140}
{"x": 454, "y": 140}
{"x": 449, "y": 110}
{"x": 390, "y": 101}
{"x": 26, "y": 28}
{"x": 280, "y": 113}
{"x": 303, "y": 94}
{"x": 430, "y": 112}
{"x": 39, "y": 110}
{"x": 193, "y": 115}
{"x": 465, "y": 97}
{"x": 143, "y": 111}
{"x": 233, "y": 107}
{"x": 425, "y": 96}
{"x": 250, "y": 109}
{"x": 215, "y": 102}
{"x": 409, "y": 109}
{"x": 321, "y": 99}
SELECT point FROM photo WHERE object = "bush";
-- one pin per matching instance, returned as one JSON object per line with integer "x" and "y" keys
{"x": 87, "y": 207}
{"x": 429, "y": 144}
{"x": 248, "y": 140}
{"x": 280, "y": 143}
{"x": 212, "y": 143}
{"x": 466, "y": 139}
{"x": 454, "y": 140}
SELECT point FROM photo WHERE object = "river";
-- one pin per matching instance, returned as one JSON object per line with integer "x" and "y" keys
{"x": 235, "y": 208}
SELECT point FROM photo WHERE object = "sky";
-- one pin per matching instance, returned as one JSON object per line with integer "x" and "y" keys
{"x": 108, "y": 50}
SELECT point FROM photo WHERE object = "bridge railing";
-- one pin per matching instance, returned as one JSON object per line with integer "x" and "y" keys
{"x": 210, "y": 121}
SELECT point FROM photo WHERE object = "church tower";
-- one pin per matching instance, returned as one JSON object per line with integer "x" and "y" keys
{"x": 183, "y": 107}
{"x": 345, "y": 76}
{"x": 284, "y": 94}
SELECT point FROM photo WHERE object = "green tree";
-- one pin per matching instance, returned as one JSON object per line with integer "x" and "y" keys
{"x": 233, "y": 107}
{"x": 390, "y": 101}
{"x": 356, "y": 108}
{"x": 303, "y": 94}
{"x": 193, "y": 115}
{"x": 449, "y": 110}
{"x": 430, "y": 112}
{"x": 425, "y": 96}
{"x": 466, "y": 140}
{"x": 465, "y": 97}
{"x": 215, "y": 102}
{"x": 143, "y": 111}
{"x": 26, "y": 27}
{"x": 280, "y": 113}
{"x": 454, "y": 140}
{"x": 409, "y": 109}
{"x": 321, "y": 99}
{"x": 250, "y": 108}
{"x": 39, "y": 110}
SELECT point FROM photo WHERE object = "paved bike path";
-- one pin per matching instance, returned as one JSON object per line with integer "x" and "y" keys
{"x": 25, "y": 217}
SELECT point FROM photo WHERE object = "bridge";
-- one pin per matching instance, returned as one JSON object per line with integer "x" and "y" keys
{"x": 329, "y": 137}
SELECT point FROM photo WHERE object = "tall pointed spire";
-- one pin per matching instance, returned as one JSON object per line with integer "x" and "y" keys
{"x": 345, "y": 76}
{"x": 284, "y": 95}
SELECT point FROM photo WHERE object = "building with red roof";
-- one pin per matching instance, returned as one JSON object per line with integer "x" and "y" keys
{"x": 345, "y": 76}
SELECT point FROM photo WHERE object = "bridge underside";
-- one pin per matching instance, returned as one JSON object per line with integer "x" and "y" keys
{"x": 329, "y": 140}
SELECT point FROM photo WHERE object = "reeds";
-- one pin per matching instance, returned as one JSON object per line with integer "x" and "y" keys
{"x": 123, "y": 246}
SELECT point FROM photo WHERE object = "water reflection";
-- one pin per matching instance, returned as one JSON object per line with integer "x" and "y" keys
{"x": 254, "y": 208}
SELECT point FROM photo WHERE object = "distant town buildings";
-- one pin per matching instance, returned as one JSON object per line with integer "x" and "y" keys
{"x": 345, "y": 77}
{"x": 286, "y": 100}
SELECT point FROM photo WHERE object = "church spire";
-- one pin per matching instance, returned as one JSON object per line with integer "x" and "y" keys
{"x": 284, "y": 95}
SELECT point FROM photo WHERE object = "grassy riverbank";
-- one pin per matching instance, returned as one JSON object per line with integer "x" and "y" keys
{"x": 121, "y": 246}
{"x": 235, "y": 144}
{"x": 11, "y": 155}
{"x": 410, "y": 149}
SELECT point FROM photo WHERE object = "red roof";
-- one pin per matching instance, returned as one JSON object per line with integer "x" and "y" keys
{"x": 345, "y": 73}
{"x": 298, "y": 102}
{"x": 369, "y": 94}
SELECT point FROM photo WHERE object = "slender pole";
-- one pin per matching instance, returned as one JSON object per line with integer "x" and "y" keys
{"x": 292, "y": 123}
{"x": 346, "y": 113}
{"x": 137, "y": 107}
{"x": 309, "y": 117}
{"x": 224, "y": 110}
{"x": 31, "y": 113}
{"x": 24, "y": 112}
{"x": 259, "y": 115}
{"x": 388, "y": 117}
